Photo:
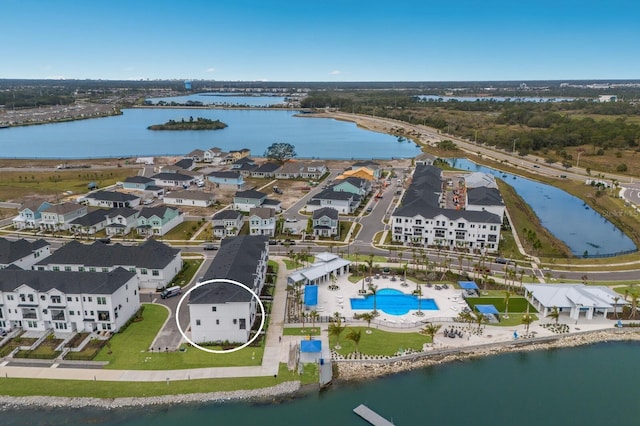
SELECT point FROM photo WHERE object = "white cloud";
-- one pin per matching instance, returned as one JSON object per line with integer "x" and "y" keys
{"x": 211, "y": 69}
{"x": 335, "y": 72}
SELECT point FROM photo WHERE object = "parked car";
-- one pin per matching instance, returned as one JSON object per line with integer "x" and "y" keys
{"x": 273, "y": 242}
{"x": 291, "y": 219}
{"x": 210, "y": 246}
{"x": 369, "y": 209}
{"x": 171, "y": 291}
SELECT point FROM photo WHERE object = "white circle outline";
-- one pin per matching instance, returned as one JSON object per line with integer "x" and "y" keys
{"x": 213, "y": 281}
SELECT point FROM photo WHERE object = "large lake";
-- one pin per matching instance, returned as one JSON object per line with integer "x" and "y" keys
{"x": 591, "y": 385}
{"x": 127, "y": 135}
{"x": 567, "y": 217}
{"x": 223, "y": 99}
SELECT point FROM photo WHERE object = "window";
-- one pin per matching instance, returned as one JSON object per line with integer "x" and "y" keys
{"x": 30, "y": 296}
{"x": 67, "y": 268}
{"x": 43, "y": 297}
{"x": 60, "y": 325}
{"x": 214, "y": 309}
{"x": 56, "y": 268}
{"x": 69, "y": 299}
{"x": 29, "y": 313}
{"x": 101, "y": 300}
{"x": 155, "y": 273}
{"x": 32, "y": 324}
{"x": 9, "y": 296}
{"x": 80, "y": 268}
{"x": 143, "y": 271}
{"x": 235, "y": 321}
{"x": 57, "y": 314}
{"x": 217, "y": 322}
{"x": 197, "y": 322}
{"x": 56, "y": 300}
{"x": 90, "y": 299}
{"x": 105, "y": 269}
{"x": 243, "y": 324}
{"x": 103, "y": 316}
{"x": 92, "y": 269}
{"x": 493, "y": 228}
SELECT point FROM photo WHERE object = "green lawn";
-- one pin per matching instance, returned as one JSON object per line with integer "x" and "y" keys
{"x": 129, "y": 349}
{"x": 298, "y": 331}
{"x": 184, "y": 231}
{"x": 83, "y": 388}
{"x": 188, "y": 271}
{"x": 516, "y": 304}
{"x": 379, "y": 342}
{"x": 514, "y": 320}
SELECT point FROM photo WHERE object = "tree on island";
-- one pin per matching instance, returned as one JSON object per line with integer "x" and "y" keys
{"x": 280, "y": 152}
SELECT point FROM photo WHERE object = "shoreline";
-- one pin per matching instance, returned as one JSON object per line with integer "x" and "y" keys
{"x": 348, "y": 371}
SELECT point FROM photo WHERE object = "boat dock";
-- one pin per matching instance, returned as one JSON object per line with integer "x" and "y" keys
{"x": 371, "y": 416}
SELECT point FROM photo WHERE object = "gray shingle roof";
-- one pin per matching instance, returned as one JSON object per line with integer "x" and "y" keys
{"x": 326, "y": 211}
{"x": 267, "y": 168}
{"x": 250, "y": 193}
{"x": 262, "y": 212}
{"x": 10, "y": 251}
{"x": 172, "y": 176}
{"x": 185, "y": 163}
{"x": 227, "y": 214}
{"x": 483, "y": 196}
{"x": 151, "y": 254}
{"x": 237, "y": 260}
{"x": 138, "y": 179}
{"x": 330, "y": 194}
{"x": 65, "y": 282}
{"x": 227, "y": 175}
{"x": 159, "y": 211}
{"x": 122, "y": 211}
{"x": 92, "y": 218}
{"x": 112, "y": 196}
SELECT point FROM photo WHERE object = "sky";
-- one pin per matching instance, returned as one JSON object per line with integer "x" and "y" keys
{"x": 325, "y": 40}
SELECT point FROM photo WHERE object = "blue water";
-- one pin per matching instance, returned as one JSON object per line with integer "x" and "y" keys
{"x": 591, "y": 385}
{"x": 127, "y": 135}
{"x": 393, "y": 302}
{"x": 565, "y": 216}
{"x": 223, "y": 99}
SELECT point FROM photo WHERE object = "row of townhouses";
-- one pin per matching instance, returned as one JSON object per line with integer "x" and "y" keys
{"x": 421, "y": 218}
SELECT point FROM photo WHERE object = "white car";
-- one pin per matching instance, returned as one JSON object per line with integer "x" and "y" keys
{"x": 291, "y": 219}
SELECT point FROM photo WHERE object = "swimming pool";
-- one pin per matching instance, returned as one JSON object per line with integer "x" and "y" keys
{"x": 393, "y": 302}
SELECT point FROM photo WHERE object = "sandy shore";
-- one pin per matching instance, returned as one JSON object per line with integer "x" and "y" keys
{"x": 364, "y": 370}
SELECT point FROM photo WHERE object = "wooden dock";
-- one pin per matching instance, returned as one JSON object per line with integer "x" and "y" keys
{"x": 371, "y": 416}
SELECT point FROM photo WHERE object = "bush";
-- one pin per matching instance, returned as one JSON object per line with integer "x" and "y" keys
{"x": 621, "y": 168}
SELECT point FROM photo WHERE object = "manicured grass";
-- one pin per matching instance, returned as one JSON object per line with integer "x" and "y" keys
{"x": 379, "y": 342}
{"x": 514, "y": 320}
{"x": 355, "y": 278}
{"x": 362, "y": 258}
{"x": 298, "y": 331}
{"x": 45, "y": 350}
{"x": 83, "y": 388}
{"x": 516, "y": 304}
{"x": 188, "y": 271}
{"x": 130, "y": 349}
{"x": 184, "y": 231}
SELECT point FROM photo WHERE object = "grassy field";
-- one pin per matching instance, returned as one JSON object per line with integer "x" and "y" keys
{"x": 297, "y": 331}
{"x": 84, "y": 388}
{"x": 18, "y": 185}
{"x": 184, "y": 231}
{"x": 379, "y": 342}
{"x": 186, "y": 274}
{"x": 129, "y": 350}
{"x": 516, "y": 304}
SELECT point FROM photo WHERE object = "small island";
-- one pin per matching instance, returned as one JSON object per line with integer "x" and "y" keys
{"x": 199, "y": 123}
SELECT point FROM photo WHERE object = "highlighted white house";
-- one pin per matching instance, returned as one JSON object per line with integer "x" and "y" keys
{"x": 575, "y": 299}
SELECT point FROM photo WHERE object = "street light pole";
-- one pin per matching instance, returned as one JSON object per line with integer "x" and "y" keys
{"x": 514, "y": 146}
{"x": 578, "y": 161}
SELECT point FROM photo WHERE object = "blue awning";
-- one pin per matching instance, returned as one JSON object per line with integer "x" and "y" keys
{"x": 310, "y": 346}
{"x": 311, "y": 295}
{"x": 487, "y": 309}
{"x": 468, "y": 285}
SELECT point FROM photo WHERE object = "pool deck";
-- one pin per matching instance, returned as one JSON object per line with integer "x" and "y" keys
{"x": 449, "y": 301}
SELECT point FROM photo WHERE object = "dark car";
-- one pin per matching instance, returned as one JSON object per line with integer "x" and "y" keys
{"x": 210, "y": 247}
{"x": 273, "y": 242}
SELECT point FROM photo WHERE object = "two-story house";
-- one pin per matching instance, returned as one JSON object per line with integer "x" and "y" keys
{"x": 30, "y": 215}
{"x": 94, "y": 221}
{"x": 158, "y": 220}
{"x": 343, "y": 201}
{"x": 227, "y": 223}
{"x": 121, "y": 221}
{"x": 354, "y": 185}
{"x": 262, "y": 221}
{"x": 58, "y": 216}
{"x": 313, "y": 170}
{"x": 325, "y": 222}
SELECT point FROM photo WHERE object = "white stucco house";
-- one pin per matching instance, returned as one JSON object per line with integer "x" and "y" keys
{"x": 22, "y": 253}
{"x": 262, "y": 221}
{"x": 192, "y": 198}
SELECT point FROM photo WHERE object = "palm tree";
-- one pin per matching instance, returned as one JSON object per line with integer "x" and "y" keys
{"x": 507, "y": 295}
{"x": 467, "y": 317}
{"x": 314, "y": 315}
{"x": 419, "y": 294}
{"x": 373, "y": 290}
{"x": 368, "y": 317}
{"x": 555, "y": 314}
{"x": 303, "y": 316}
{"x": 355, "y": 336}
{"x": 480, "y": 319}
{"x": 634, "y": 305}
{"x": 335, "y": 329}
{"x": 615, "y": 307}
{"x": 527, "y": 320}
{"x": 431, "y": 330}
